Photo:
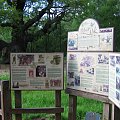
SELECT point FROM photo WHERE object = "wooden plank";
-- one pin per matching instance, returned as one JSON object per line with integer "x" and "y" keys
{"x": 0, "y": 112}
{"x": 58, "y": 103}
{"x": 113, "y": 111}
{"x": 6, "y": 101}
{"x": 106, "y": 111}
{"x": 72, "y": 107}
{"x": 51, "y": 110}
{"x": 18, "y": 104}
{"x": 0, "y": 103}
{"x": 89, "y": 95}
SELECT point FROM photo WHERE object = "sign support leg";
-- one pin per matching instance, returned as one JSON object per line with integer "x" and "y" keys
{"x": 18, "y": 103}
{"x": 58, "y": 103}
{"x": 72, "y": 107}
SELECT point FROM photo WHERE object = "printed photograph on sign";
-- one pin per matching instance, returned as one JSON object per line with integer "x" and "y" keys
{"x": 72, "y": 40}
{"x": 36, "y": 71}
{"x": 25, "y": 60}
{"x": 112, "y": 61}
{"x": 41, "y": 71}
{"x": 41, "y": 58}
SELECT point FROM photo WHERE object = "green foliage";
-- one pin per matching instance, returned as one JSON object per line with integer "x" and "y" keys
{"x": 106, "y": 12}
{"x": 4, "y": 76}
{"x": 5, "y": 34}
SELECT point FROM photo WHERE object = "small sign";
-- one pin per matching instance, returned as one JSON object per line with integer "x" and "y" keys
{"x": 36, "y": 71}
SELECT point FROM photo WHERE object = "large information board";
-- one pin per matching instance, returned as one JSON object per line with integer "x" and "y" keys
{"x": 90, "y": 38}
{"x": 36, "y": 71}
{"x": 114, "y": 78}
{"x": 88, "y": 71}
{"x": 88, "y": 57}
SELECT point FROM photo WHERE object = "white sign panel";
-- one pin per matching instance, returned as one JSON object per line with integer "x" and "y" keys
{"x": 114, "y": 79}
{"x": 106, "y": 39}
{"x": 89, "y": 26}
{"x": 90, "y": 38}
{"x": 88, "y": 71}
{"x": 34, "y": 71}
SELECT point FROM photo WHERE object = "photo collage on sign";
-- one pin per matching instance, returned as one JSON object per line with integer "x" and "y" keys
{"x": 85, "y": 71}
{"x": 37, "y": 70}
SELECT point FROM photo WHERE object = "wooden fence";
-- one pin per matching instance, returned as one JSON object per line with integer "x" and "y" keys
{"x": 110, "y": 111}
{"x": 6, "y": 110}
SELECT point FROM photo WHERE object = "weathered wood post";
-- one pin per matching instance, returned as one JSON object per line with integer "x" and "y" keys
{"x": 58, "y": 103}
{"x": 72, "y": 107}
{"x": 6, "y": 109}
{"x": 18, "y": 103}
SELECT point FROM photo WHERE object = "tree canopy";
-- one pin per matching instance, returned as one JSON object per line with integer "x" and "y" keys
{"x": 23, "y": 22}
{"x": 27, "y": 19}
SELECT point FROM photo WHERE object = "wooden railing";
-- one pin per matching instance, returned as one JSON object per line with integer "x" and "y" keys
{"x": 110, "y": 111}
{"x": 6, "y": 110}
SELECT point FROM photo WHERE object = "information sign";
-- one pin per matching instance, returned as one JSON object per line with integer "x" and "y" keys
{"x": 88, "y": 71}
{"x": 90, "y": 37}
{"x": 33, "y": 71}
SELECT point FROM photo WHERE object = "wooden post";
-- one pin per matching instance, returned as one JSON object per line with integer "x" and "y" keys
{"x": 105, "y": 111}
{"x": 72, "y": 107}
{"x": 110, "y": 111}
{"x": 6, "y": 101}
{"x": 113, "y": 111}
{"x": 18, "y": 103}
{"x": 58, "y": 103}
{"x": 0, "y": 103}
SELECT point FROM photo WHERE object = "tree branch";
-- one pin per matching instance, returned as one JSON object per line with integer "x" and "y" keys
{"x": 6, "y": 25}
{"x": 48, "y": 25}
{"x": 3, "y": 44}
{"x": 38, "y": 17}
{"x": 20, "y": 5}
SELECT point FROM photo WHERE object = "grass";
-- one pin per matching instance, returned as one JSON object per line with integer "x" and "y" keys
{"x": 38, "y": 99}
{"x": 4, "y": 75}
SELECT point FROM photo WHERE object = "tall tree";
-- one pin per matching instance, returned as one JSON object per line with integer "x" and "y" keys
{"x": 22, "y": 15}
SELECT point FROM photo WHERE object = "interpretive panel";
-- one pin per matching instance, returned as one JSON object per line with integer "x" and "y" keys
{"x": 88, "y": 71}
{"x": 114, "y": 79}
{"x": 90, "y": 38}
{"x": 34, "y": 71}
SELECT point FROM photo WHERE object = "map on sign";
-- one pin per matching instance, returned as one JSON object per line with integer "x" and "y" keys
{"x": 90, "y": 37}
{"x": 36, "y": 71}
